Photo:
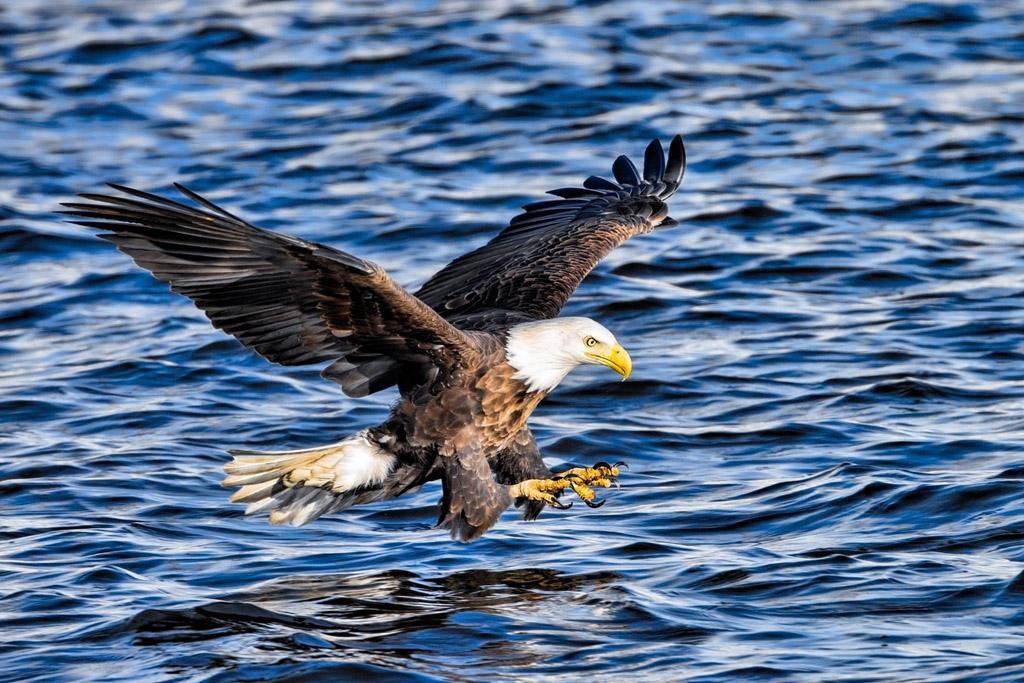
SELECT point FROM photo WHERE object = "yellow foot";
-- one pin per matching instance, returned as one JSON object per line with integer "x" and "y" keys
{"x": 546, "y": 490}
{"x": 584, "y": 478}
{"x": 579, "y": 479}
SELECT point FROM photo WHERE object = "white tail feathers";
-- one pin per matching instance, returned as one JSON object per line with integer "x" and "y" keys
{"x": 296, "y": 487}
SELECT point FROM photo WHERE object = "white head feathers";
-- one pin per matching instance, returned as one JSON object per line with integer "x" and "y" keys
{"x": 543, "y": 352}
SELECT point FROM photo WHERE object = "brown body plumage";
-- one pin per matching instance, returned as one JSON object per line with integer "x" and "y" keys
{"x": 473, "y": 352}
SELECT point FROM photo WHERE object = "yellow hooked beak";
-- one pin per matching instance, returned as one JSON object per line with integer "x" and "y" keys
{"x": 617, "y": 359}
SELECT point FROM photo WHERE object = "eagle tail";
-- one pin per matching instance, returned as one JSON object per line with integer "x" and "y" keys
{"x": 296, "y": 487}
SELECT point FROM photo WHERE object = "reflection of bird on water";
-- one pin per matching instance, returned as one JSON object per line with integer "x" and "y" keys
{"x": 472, "y": 352}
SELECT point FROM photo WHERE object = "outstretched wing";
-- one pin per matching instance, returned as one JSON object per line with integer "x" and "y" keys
{"x": 535, "y": 264}
{"x": 291, "y": 301}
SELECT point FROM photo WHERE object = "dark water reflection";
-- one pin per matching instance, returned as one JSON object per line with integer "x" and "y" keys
{"x": 483, "y": 620}
{"x": 825, "y": 421}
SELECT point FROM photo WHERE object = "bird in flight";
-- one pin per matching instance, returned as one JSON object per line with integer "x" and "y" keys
{"x": 472, "y": 352}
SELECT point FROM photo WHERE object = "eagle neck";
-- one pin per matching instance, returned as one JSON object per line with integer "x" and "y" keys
{"x": 536, "y": 351}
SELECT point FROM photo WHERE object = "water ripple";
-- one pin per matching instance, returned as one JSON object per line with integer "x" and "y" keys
{"x": 824, "y": 427}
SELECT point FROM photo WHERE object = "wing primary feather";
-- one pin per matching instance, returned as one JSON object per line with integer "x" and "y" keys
{"x": 145, "y": 213}
{"x": 625, "y": 172}
{"x": 596, "y": 182}
{"x": 148, "y": 196}
{"x": 654, "y": 162}
{"x": 676, "y": 162}
{"x": 207, "y": 203}
{"x": 573, "y": 192}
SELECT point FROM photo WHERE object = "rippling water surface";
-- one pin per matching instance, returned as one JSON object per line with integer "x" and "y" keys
{"x": 825, "y": 427}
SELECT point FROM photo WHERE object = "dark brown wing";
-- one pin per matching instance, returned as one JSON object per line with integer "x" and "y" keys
{"x": 293, "y": 302}
{"x": 535, "y": 264}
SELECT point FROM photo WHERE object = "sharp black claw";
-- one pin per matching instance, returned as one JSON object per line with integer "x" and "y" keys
{"x": 622, "y": 465}
{"x": 593, "y": 504}
{"x": 560, "y": 505}
{"x": 602, "y": 464}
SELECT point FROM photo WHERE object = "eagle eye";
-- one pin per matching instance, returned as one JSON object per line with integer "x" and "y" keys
{"x": 590, "y": 341}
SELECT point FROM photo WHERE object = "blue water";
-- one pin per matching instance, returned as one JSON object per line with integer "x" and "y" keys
{"x": 826, "y": 420}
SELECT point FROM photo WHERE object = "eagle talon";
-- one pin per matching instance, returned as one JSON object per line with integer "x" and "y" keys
{"x": 601, "y": 474}
{"x": 594, "y": 503}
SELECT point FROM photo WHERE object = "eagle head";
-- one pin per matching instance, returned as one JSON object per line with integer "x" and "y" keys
{"x": 543, "y": 352}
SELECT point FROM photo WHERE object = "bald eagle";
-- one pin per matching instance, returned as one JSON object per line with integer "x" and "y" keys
{"x": 472, "y": 352}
